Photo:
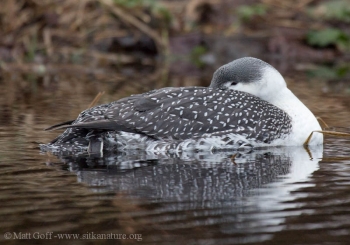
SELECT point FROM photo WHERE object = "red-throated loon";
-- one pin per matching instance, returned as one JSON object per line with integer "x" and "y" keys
{"x": 247, "y": 104}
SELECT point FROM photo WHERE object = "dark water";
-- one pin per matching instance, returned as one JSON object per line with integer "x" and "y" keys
{"x": 274, "y": 196}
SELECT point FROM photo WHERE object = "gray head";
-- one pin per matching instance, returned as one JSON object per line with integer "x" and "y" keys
{"x": 249, "y": 75}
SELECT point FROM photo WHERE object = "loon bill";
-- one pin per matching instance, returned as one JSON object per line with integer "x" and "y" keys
{"x": 247, "y": 104}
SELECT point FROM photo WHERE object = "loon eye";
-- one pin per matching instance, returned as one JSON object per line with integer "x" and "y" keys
{"x": 233, "y": 83}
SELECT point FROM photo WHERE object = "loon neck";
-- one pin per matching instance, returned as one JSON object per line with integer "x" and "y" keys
{"x": 303, "y": 120}
{"x": 289, "y": 103}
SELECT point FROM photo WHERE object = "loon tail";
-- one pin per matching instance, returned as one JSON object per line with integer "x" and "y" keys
{"x": 98, "y": 125}
{"x": 59, "y": 125}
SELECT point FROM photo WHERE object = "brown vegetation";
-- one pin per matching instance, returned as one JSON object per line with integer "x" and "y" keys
{"x": 119, "y": 32}
{"x": 69, "y": 31}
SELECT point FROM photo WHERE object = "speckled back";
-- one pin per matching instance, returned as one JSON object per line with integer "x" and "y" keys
{"x": 183, "y": 113}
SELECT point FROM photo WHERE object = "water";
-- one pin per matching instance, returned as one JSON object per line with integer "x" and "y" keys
{"x": 274, "y": 196}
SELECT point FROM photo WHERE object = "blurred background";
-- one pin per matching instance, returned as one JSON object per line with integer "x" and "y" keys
{"x": 74, "y": 48}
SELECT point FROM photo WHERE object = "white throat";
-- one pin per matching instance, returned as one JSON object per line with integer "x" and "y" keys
{"x": 303, "y": 120}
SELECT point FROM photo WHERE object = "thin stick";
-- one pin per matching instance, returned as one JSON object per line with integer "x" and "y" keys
{"x": 97, "y": 98}
{"x": 233, "y": 157}
{"x": 324, "y": 123}
{"x": 334, "y": 133}
{"x": 308, "y": 151}
{"x": 326, "y": 132}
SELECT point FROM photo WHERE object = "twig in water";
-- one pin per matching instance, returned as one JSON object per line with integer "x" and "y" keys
{"x": 324, "y": 123}
{"x": 334, "y": 133}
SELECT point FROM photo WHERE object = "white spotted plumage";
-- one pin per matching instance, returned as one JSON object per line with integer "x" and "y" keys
{"x": 247, "y": 104}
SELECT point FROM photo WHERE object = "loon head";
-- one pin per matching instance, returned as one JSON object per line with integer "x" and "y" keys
{"x": 249, "y": 75}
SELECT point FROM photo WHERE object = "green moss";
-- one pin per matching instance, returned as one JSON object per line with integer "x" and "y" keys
{"x": 330, "y": 72}
{"x": 333, "y": 10}
{"x": 328, "y": 37}
{"x": 248, "y": 12}
{"x": 196, "y": 54}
